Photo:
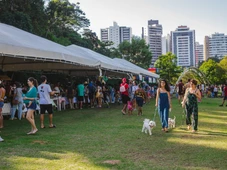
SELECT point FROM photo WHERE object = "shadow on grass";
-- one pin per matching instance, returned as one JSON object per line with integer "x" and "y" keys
{"x": 85, "y": 139}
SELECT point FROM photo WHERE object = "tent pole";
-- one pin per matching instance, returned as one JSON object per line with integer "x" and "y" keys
{"x": 100, "y": 72}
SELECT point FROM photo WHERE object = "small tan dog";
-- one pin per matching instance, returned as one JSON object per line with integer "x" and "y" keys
{"x": 172, "y": 122}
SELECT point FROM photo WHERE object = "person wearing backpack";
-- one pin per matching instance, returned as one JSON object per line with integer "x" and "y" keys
{"x": 124, "y": 95}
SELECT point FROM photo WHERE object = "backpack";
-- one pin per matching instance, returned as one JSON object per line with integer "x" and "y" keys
{"x": 122, "y": 89}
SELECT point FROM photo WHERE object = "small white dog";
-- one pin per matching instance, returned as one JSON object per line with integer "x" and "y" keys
{"x": 172, "y": 122}
{"x": 148, "y": 126}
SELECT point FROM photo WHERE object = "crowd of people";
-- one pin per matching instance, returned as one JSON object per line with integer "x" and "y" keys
{"x": 26, "y": 99}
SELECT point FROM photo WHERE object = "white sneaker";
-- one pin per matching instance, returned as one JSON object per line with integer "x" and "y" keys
{"x": 1, "y": 140}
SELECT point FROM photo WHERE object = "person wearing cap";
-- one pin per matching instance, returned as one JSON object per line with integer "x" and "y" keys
{"x": 124, "y": 95}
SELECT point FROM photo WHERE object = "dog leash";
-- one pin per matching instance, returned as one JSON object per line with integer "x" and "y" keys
{"x": 155, "y": 112}
{"x": 183, "y": 116}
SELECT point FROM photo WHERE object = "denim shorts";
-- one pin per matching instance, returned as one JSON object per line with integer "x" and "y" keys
{"x": 139, "y": 101}
{"x": 32, "y": 106}
{"x": 1, "y": 104}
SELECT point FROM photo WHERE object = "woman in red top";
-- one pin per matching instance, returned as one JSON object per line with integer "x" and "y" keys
{"x": 124, "y": 95}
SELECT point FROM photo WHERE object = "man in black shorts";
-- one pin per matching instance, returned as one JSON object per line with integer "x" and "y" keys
{"x": 45, "y": 102}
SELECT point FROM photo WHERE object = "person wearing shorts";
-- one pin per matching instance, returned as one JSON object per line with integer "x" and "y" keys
{"x": 45, "y": 102}
{"x": 225, "y": 95}
{"x": 140, "y": 97}
{"x": 80, "y": 94}
{"x": 30, "y": 101}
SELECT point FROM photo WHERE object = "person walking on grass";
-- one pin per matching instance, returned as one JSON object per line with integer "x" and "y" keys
{"x": 163, "y": 102}
{"x": 224, "y": 95}
{"x": 30, "y": 101}
{"x": 45, "y": 102}
{"x": 190, "y": 103}
{"x": 141, "y": 96}
{"x": 124, "y": 95}
{"x": 180, "y": 86}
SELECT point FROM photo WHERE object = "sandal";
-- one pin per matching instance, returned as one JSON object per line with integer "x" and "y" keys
{"x": 42, "y": 127}
{"x": 53, "y": 126}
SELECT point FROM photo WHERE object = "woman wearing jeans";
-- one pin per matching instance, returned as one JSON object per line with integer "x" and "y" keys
{"x": 17, "y": 96}
{"x": 163, "y": 102}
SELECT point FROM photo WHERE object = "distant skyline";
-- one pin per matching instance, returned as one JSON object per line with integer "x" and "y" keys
{"x": 204, "y": 16}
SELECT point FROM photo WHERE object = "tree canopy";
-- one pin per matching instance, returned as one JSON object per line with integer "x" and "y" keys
{"x": 137, "y": 52}
{"x": 215, "y": 71}
{"x": 168, "y": 68}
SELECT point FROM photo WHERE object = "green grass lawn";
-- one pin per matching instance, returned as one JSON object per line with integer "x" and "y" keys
{"x": 85, "y": 139}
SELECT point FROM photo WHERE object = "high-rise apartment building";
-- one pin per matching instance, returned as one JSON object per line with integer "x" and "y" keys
{"x": 199, "y": 57}
{"x": 183, "y": 46}
{"x": 104, "y": 34}
{"x": 125, "y": 34}
{"x": 166, "y": 44}
{"x": 215, "y": 45}
{"x": 144, "y": 35}
{"x": 155, "y": 39}
{"x": 116, "y": 34}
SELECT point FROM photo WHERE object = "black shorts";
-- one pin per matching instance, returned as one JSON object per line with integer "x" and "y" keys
{"x": 46, "y": 107}
{"x": 225, "y": 98}
{"x": 125, "y": 99}
{"x": 80, "y": 98}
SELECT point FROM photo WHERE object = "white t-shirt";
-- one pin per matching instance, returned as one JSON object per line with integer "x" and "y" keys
{"x": 44, "y": 94}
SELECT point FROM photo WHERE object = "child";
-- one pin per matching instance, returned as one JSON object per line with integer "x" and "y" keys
{"x": 130, "y": 107}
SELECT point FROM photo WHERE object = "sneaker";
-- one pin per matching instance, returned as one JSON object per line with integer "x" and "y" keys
{"x": 221, "y": 105}
{"x": 1, "y": 140}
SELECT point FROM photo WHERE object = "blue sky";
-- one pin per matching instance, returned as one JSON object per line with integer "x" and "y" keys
{"x": 205, "y": 16}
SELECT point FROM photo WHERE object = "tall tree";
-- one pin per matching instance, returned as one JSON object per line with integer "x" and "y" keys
{"x": 63, "y": 15}
{"x": 136, "y": 52}
{"x": 213, "y": 71}
{"x": 28, "y": 15}
{"x": 167, "y": 66}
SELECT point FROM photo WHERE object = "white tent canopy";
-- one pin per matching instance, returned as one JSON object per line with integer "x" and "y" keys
{"x": 20, "y": 50}
{"x": 106, "y": 63}
{"x": 137, "y": 68}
